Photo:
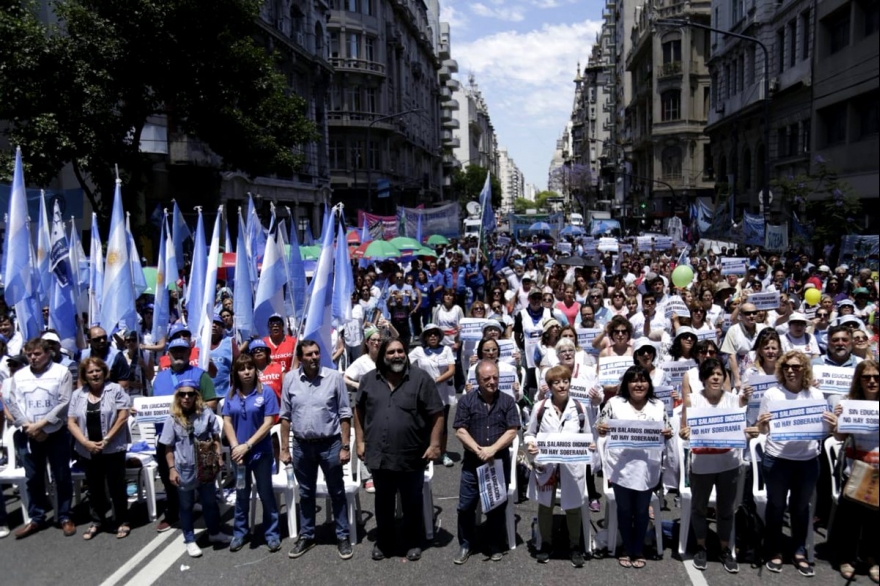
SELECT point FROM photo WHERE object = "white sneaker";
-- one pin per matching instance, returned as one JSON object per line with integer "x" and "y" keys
{"x": 4, "y": 531}
{"x": 193, "y": 550}
{"x": 220, "y": 539}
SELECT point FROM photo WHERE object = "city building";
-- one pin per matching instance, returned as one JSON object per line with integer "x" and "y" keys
{"x": 473, "y": 139}
{"x": 511, "y": 179}
{"x": 384, "y": 105}
{"x": 449, "y": 118}
{"x": 531, "y": 191}
{"x": 668, "y": 108}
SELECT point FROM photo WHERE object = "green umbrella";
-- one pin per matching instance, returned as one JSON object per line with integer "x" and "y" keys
{"x": 379, "y": 249}
{"x": 310, "y": 252}
{"x": 405, "y": 243}
{"x": 424, "y": 251}
{"x": 436, "y": 239}
{"x": 150, "y": 278}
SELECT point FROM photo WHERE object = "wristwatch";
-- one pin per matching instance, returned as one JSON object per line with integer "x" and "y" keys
{"x": 345, "y": 448}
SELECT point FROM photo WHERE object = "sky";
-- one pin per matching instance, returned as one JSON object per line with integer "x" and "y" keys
{"x": 524, "y": 56}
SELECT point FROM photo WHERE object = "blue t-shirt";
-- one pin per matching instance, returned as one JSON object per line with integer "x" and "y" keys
{"x": 222, "y": 358}
{"x": 248, "y": 414}
{"x": 475, "y": 280}
{"x": 425, "y": 288}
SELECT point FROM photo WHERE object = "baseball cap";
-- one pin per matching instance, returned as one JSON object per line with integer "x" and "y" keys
{"x": 492, "y": 324}
{"x": 797, "y": 316}
{"x": 861, "y": 291}
{"x": 257, "y": 344}
{"x": 276, "y": 317}
{"x": 536, "y": 293}
{"x": 51, "y": 337}
{"x": 178, "y": 330}
{"x": 824, "y": 269}
{"x": 17, "y": 360}
{"x": 178, "y": 343}
{"x": 188, "y": 383}
{"x": 218, "y": 319}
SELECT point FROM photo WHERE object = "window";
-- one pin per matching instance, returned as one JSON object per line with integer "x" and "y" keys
{"x": 792, "y": 42}
{"x": 337, "y": 154}
{"x": 734, "y": 89}
{"x": 357, "y": 155}
{"x": 780, "y": 50}
{"x": 793, "y": 141}
{"x": 805, "y": 136}
{"x": 354, "y": 46}
{"x": 747, "y": 169}
{"x": 672, "y": 51}
{"x": 741, "y": 73}
{"x": 706, "y": 102}
{"x": 736, "y": 12}
{"x": 371, "y": 100}
{"x": 369, "y": 8}
{"x": 336, "y": 103}
{"x": 671, "y": 105}
{"x": 671, "y": 163}
{"x": 374, "y": 155}
{"x": 782, "y": 142}
{"x": 805, "y": 35}
{"x": 370, "y": 49}
{"x": 354, "y": 98}
{"x": 837, "y": 25}
{"x": 334, "y": 44}
{"x": 727, "y": 81}
{"x": 872, "y": 17}
{"x": 869, "y": 115}
{"x": 750, "y": 70}
{"x": 716, "y": 95}
{"x": 708, "y": 165}
{"x": 834, "y": 124}
{"x": 354, "y": 5}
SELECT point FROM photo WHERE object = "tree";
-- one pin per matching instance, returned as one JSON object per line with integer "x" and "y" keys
{"x": 833, "y": 213}
{"x": 541, "y": 199}
{"x": 467, "y": 185}
{"x": 521, "y": 204}
{"x": 81, "y": 91}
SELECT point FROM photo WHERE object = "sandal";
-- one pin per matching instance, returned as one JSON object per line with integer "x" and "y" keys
{"x": 874, "y": 574}
{"x": 847, "y": 571}
{"x": 639, "y": 563}
{"x": 803, "y": 566}
{"x": 123, "y": 531}
{"x": 91, "y": 531}
{"x": 651, "y": 512}
{"x": 774, "y": 564}
{"x": 624, "y": 562}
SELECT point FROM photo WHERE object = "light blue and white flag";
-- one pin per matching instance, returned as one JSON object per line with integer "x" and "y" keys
{"x": 137, "y": 269}
{"x": 269, "y": 298}
{"x": 96, "y": 274}
{"x": 195, "y": 287}
{"x": 343, "y": 281}
{"x": 318, "y": 324}
{"x": 44, "y": 273}
{"x": 62, "y": 303}
{"x": 243, "y": 298}
{"x": 80, "y": 266}
{"x": 180, "y": 231}
{"x": 161, "y": 302}
{"x": 118, "y": 308}
{"x": 209, "y": 293}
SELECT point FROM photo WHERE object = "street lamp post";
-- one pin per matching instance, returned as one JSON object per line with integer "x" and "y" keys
{"x": 765, "y": 183}
{"x": 369, "y": 158}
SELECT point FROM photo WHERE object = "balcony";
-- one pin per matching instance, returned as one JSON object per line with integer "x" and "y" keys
{"x": 451, "y": 105}
{"x": 671, "y": 69}
{"x": 452, "y": 143}
{"x": 451, "y": 64}
{"x": 358, "y": 65}
{"x": 445, "y": 94}
{"x": 449, "y": 160}
{"x": 450, "y": 122}
{"x": 443, "y": 50}
{"x": 453, "y": 84}
{"x": 607, "y": 107}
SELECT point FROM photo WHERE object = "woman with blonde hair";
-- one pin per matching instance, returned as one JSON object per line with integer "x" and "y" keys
{"x": 791, "y": 467}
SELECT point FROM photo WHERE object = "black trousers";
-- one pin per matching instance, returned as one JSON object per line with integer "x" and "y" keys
{"x": 109, "y": 468}
{"x": 409, "y": 484}
{"x": 172, "y": 502}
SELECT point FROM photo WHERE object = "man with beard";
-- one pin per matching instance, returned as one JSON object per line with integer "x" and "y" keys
{"x": 398, "y": 424}
{"x": 99, "y": 347}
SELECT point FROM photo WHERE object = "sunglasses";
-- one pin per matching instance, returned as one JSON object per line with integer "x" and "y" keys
{"x": 479, "y": 309}
{"x": 748, "y": 313}
{"x": 98, "y": 339}
{"x": 871, "y": 377}
{"x": 708, "y": 352}
{"x": 820, "y": 315}
{"x": 793, "y": 367}
{"x": 187, "y": 394}
{"x": 620, "y": 332}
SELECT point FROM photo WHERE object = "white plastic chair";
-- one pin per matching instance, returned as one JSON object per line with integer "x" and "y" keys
{"x": 13, "y": 473}
{"x": 686, "y": 497}
{"x": 760, "y": 493}
{"x": 832, "y": 449}
{"x": 611, "y": 508}
{"x": 428, "y": 501}
{"x": 284, "y": 491}
{"x": 145, "y": 477}
{"x": 511, "y": 497}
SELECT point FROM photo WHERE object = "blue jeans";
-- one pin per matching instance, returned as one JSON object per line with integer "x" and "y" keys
{"x": 261, "y": 468}
{"x": 469, "y": 500}
{"x": 307, "y": 456}
{"x": 793, "y": 481}
{"x": 632, "y": 518}
{"x": 34, "y": 456}
{"x": 210, "y": 510}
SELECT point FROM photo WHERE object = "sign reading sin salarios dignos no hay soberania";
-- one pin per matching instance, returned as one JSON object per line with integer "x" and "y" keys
{"x": 717, "y": 428}
{"x": 765, "y": 301}
{"x": 611, "y": 368}
{"x": 632, "y": 433}
{"x": 859, "y": 417}
{"x": 472, "y": 328}
{"x": 798, "y": 420}
{"x": 564, "y": 448}
{"x": 493, "y": 489}
{"x": 152, "y": 409}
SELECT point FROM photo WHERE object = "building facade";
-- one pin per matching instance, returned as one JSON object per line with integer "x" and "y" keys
{"x": 473, "y": 139}
{"x": 511, "y": 179}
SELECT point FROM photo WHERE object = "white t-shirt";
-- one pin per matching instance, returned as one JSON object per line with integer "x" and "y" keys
{"x": 806, "y": 344}
{"x": 435, "y": 364}
{"x": 712, "y": 463}
{"x": 633, "y": 468}
{"x": 360, "y": 367}
{"x": 792, "y": 449}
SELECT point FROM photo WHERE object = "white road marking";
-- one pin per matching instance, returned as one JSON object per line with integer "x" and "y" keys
{"x": 696, "y": 576}
{"x": 132, "y": 563}
{"x": 161, "y": 562}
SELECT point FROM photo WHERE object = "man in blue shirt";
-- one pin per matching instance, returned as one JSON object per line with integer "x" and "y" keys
{"x": 475, "y": 278}
{"x": 456, "y": 279}
{"x": 314, "y": 404}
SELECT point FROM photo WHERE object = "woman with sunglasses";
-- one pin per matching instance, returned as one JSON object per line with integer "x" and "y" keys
{"x": 690, "y": 383}
{"x": 439, "y": 361}
{"x": 618, "y": 304}
{"x": 861, "y": 343}
{"x": 684, "y": 345}
{"x": 249, "y": 413}
{"x": 700, "y": 322}
{"x": 190, "y": 421}
{"x": 740, "y": 339}
{"x": 791, "y": 467}
{"x": 97, "y": 420}
{"x": 634, "y": 473}
{"x": 821, "y": 322}
{"x": 855, "y": 526}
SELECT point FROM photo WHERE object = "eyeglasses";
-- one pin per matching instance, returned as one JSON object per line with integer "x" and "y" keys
{"x": 496, "y": 292}
{"x": 708, "y": 352}
{"x": 871, "y": 377}
{"x": 821, "y": 315}
{"x": 793, "y": 367}
{"x": 748, "y": 313}
{"x": 566, "y": 351}
{"x": 595, "y": 297}
{"x": 187, "y": 394}
{"x": 620, "y": 332}
{"x": 860, "y": 338}
{"x": 98, "y": 339}
{"x": 479, "y": 309}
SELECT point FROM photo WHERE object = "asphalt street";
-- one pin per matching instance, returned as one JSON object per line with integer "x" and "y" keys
{"x": 147, "y": 557}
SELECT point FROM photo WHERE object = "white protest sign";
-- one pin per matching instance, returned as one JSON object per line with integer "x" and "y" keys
{"x": 734, "y": 265}
{"x": 859, "y": 417}
{"x": 564, "y": 247}
{"x": 676, "y": 305}
{"x": 493, "y": 489}
{"x": 580, "y": 390}
{"x": 677, "y": 369}
{"x": 707, "y": 335}
{"x": 502, "y": 241}
{"x": 644, "y": 242}
{"x": 586, "y": 337}
{"x": 664, "y": 393}
{"x": 607, "y": 244}
{"x": 759, "y": 385}
{"x": 564, "y": 448}
{"x": 797, "y": 420}
{"x": 632, "y": 433}
{"x": 611, "y": 368}
{"x": 505, "y": 382}
{"x": 506, "y": 348}
{"x": 472, "y": 328}
{"x": 626, "y": 248}
{"x": 152, "y": 409}
{"x": 717, "y": 428}
{"x": 833, "y": 379}
{"x": 662, "y": 242}
{"x": 765, "y": 301}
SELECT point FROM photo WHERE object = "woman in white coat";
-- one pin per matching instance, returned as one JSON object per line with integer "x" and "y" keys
{"x": 559, "y": 413}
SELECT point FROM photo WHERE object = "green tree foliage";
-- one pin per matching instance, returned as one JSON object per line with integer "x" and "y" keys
{"x": 541, "y": 199}
{"x": 467, "y": 185}
{"x": 521, "y": 204}
{"x": 81, "y": 91}
{"x": 823, "y": 199}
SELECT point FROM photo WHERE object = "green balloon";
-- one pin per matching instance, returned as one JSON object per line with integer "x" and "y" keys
{"x": 682, "y": 276}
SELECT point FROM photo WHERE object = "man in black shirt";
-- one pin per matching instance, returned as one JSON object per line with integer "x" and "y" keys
{"x": 398, "y": 423}
{"x": 486, "y": 423}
